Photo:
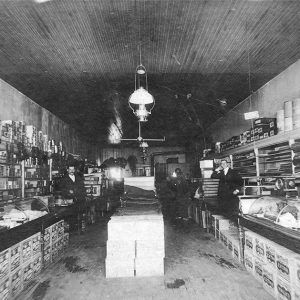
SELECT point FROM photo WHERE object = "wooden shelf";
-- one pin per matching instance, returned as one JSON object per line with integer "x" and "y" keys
{"x": 242, "y": 160}
{"x": 277, "y": 160}
{"x": 273, "y": 140}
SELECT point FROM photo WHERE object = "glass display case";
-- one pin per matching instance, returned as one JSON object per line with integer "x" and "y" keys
{"x": 278, "y": 210}
{"x": 22, "y": 211}
{"x": 289, "y": 216}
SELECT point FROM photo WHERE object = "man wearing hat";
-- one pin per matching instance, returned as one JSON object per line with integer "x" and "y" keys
{"x": 229, "y": 187}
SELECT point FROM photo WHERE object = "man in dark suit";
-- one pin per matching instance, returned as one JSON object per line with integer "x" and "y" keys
{"x": 71, "y": 186}
{"x": 229, "y": 187}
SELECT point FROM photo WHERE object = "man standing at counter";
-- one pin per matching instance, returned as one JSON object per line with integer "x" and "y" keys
{"x": 71, "y": 186}
{"x": 229, "y": 187}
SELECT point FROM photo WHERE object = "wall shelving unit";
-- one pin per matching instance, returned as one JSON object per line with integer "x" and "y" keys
{"x": 260, "y": 160}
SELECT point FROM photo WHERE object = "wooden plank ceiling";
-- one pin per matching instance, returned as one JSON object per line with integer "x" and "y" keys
{"x": 77, "y": 58}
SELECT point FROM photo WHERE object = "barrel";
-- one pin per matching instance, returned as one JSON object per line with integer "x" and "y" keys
{"x": 296, "y": 113}
{"x": 280, "y": 120}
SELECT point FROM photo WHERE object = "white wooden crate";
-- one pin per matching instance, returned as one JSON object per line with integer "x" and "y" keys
{"x": 149, "y": 267}
{"x": 119, "y": 267}
{"x": 150, "y": 248}
{"x": 120, "y": 248}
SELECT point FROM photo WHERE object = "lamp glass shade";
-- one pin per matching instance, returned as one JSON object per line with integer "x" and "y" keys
{"x": 141, "y": 96}
{"x": 141, "y": 70}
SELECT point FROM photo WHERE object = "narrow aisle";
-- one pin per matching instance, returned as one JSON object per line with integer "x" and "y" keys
{"x": 196, "y": 267}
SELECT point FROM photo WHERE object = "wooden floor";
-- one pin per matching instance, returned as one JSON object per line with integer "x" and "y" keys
{"x": 196, "y": 267}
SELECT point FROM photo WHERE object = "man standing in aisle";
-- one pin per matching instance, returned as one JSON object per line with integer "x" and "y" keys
{"x": 72, "y": 187}
{"x": 229, "y": 187}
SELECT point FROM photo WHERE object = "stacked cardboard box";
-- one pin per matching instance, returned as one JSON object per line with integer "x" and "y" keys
{"x": 135, "y": 246}
{"x": 4, "y": 274}
{"x": 31, "y": 136}
{"x": 11, "y": 131}
{"x": 262, "y": 128}
{"x": 276, "y": 267}
{"x": 31, "y": 258}
{"x": 53, "y": 243}
{"x": 227, "y": 232}
{"x": 19, "y": 264}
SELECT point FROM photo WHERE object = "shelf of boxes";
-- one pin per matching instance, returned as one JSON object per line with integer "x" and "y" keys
{"x": 263, "y": 162}
{"x": 92, "y": 183}
{"x": 245, "y": 163}
{"x": 276, "y": 160}
{"x": 10, "y": 177}
{"x": 36, "y": 179}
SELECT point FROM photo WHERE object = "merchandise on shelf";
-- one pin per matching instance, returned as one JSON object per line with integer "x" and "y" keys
{"x": 245, "y": 163}
{"x": 276, "y": 160}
